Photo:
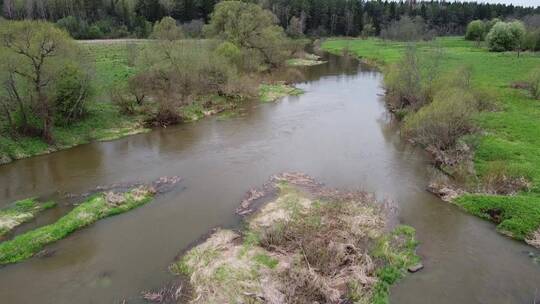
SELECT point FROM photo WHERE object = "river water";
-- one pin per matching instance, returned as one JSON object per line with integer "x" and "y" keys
{"x": 338, "y": 132}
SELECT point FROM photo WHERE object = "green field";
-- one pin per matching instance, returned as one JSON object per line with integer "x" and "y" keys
{"x": 510, "y": 136}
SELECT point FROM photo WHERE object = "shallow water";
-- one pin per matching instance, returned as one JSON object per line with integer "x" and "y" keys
{"x": 338, "y": 132}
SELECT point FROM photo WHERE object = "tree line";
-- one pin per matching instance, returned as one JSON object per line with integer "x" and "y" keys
{"x": 122, "y": 18}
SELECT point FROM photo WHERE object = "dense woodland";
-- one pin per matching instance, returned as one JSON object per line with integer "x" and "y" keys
{"x": 86, "y": 19}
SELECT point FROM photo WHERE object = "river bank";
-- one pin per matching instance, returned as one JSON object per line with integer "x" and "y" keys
{"x": 114, "y": 64}
{"x": 507, "y": 148}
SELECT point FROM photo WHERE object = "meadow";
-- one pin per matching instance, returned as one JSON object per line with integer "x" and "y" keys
{"x": 509, "y": 137}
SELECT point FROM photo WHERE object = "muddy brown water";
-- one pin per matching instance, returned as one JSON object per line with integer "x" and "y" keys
{"x": 338, "y": 132}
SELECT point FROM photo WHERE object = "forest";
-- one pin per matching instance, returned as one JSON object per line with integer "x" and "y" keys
{"x": 89, "y": 19}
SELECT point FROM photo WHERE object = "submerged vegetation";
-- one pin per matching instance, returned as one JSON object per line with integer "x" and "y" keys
{"x": 94, "y": 208}
{"x": 20, "y": 212}
{"x": 309, "y": 244}
{"x": 480, "y": 110}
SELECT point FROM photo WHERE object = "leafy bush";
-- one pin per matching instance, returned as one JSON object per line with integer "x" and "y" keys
{"x": 174, "y": 73}
{"x": 72, "y": 90}
{"x": 476, "y": 30}
{"x": 166, "y": 29}
{"x": 441, "y": 123}
{"x": 252, "y": 29}
{"x": 410, "y": 82}
{"x": 506, "y": 36}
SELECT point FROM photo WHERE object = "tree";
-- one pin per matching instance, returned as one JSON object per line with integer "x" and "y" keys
{"x": 296, "y": 27}
{"x": 34, "y": 54}
{"x": 517, "y": 31}
{"x": 166, "y": 29}
{"x": 506, "y": 36}
{"x": 251, "y": 28}
{"x": 476, "y": 31}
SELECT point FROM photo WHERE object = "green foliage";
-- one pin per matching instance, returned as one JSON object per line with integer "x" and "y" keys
{"x": 37, "y": 55}
{"x": 72, "y": 90}
{"x": 476, "y": 30}
{"x": 229, "y": 51}
{"x": 91, "y": 210}
{"x": 506, "y": 36}
{"x": 167, "y": 29}
{"x": 251, "y": 28}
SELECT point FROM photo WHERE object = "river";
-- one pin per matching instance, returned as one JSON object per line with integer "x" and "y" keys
{"x": 338, "y": 132}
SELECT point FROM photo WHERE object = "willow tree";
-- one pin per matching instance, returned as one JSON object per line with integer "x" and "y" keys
{"x": 250, "y": 27}
{"x": 34, "y": 54}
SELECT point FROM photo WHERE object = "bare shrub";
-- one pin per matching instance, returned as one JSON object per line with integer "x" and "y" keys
{"x": 406, "y": 29}
{"x": 499, "y": 178}
{"x": 403, "y": 81}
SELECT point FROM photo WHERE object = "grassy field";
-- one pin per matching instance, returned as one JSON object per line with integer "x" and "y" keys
{"x": 510, "y": 136}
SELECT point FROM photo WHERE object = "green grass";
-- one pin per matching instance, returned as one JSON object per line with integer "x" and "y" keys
{"x": 274, "y": 92}
{"x": 398, "y": 252}
{"x": 510, "y": 136}
{"x": 20, "y": 212}
{"x": 91, "y": 210}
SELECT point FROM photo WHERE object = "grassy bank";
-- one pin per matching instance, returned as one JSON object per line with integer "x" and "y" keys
{"x": 510, "y": 136}
{"x": 20, "y": 212}
{"x": 103, "y": 121}
{"x": 98, "y": 206}
{"x": 308, "y": 245}
{"x": 114, "y": 64}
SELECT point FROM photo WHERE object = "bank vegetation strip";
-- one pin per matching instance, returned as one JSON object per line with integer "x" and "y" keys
{"x": 504, "y": 185}
{"x": 56, "y": 93}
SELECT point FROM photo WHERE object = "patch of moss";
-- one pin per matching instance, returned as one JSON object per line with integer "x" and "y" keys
{"x": 91, "y": 210}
